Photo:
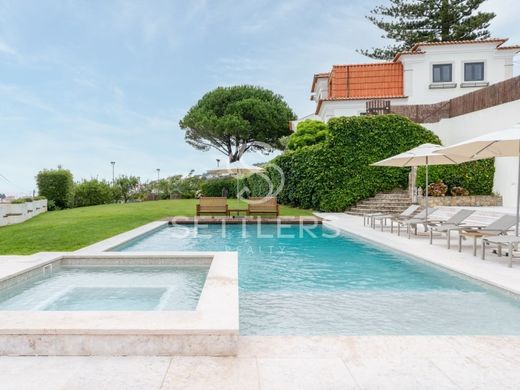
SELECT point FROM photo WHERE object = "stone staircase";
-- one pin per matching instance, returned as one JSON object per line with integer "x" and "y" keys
{"x": 392, "y": 203}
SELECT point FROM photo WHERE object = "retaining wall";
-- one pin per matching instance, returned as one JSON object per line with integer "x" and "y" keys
{"x": 19, "y": 212}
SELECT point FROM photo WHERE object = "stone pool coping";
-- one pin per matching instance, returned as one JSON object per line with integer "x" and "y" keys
{"x": 493, "y": 271}
{"x": 211, "y": 329}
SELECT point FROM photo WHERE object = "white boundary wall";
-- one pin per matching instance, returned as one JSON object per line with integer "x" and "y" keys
{"x": 474, "y": 124}
{"x": 19, "y": 212}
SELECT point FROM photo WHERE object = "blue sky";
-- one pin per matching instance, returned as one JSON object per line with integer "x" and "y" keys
{"x": 83, "y": 83}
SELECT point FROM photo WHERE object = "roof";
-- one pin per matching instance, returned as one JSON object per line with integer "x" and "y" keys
{"x": 316, "y": 77}
{"x": 416, "y": 48}
{"x": 366, "y": 81}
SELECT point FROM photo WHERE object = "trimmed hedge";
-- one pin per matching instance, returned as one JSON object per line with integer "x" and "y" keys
{"x": 216, "y": 186}
{"x": 92, "y": 192}
{"x": 475, "y": 176}
{"x": 57, "y": 186}
{"x": 336, "y": 174}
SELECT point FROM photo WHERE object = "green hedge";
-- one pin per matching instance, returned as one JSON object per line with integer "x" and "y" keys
{"x": 57, "y": 186}
{"x": 475, "y": 176}
{"x": 92, "y": 192}
{"x": 216, "y": 186}
{"x": 336, "y": 174}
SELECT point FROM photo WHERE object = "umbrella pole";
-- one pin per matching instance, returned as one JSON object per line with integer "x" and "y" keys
{"x": 238, "y": 199}
{"x": 426, "y": 188}
{"x": 517, "y": 197}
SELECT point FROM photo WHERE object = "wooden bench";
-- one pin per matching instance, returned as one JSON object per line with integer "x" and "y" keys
{"x": 267, "y": 205}
{"x": 212, "y": 205}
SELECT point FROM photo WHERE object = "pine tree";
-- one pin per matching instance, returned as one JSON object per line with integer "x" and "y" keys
{"x": 411, "y": 21}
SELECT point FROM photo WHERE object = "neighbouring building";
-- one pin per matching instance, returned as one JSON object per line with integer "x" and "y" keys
{"x": 458, "y": 89}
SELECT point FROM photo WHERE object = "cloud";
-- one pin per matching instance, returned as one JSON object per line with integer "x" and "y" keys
{"x": 6, "y": 49}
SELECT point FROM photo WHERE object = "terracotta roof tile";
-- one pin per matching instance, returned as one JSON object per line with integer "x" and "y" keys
{"x": 366, "y": 80}
{"x": 512, "y": 47}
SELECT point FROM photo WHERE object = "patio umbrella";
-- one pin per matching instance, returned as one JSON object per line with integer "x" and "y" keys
{"x": 503, "y": 143}
{"x": 425, "y": 154}
{"x": 236, "y": 170}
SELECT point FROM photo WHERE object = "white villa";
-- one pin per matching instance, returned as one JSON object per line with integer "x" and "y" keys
{"x": 458, "y": 89}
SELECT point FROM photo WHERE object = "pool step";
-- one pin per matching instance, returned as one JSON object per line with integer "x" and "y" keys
{"x": 393, "y": 202}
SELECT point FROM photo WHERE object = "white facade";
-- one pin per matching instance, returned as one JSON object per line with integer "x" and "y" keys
{"x": 420, "y": 87}
{"x": 418, "y": 83}
{"x": 474, "y": 124}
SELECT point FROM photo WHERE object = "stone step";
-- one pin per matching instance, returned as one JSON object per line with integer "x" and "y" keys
{"x": 393, "y": 202}
{"x": 378, "y": 203}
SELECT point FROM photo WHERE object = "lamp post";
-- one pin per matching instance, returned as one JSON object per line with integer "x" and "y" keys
{"x": 113, "y": 167}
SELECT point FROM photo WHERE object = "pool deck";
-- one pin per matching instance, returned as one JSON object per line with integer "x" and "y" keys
{"x": 286, "y": 363}
{"x": 300, "y": 363}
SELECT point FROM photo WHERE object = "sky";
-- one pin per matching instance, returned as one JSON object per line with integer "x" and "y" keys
{"x": 83, "y": 83}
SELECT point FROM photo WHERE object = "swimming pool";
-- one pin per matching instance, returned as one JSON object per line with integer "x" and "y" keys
{"x": 301, "y": 281}
{"x": 114, "y": 288}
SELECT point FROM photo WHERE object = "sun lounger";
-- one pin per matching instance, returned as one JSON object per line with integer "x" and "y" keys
{"x": 495, "y": 228}
{"x": 510, "y": 241}
{"x": 212, "y": 205}
{"x": 383, "y": 217}
{"x": 452, "y": 223}
{"x": 417, "y": 219}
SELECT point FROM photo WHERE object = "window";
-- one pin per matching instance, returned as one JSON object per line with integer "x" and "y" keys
{"x": 442, "y": 73}
{"x": 474, "y": 71}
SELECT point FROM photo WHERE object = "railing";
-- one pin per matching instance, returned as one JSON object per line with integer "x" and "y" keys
{"x": 378, "y": 107}
{"x": 494, "y": 95}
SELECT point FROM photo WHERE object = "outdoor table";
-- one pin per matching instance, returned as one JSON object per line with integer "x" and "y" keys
{"x": 501, "y": 240}
{"x": 237, "y": 211}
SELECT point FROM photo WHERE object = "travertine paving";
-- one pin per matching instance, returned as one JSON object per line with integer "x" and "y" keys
{"x": 300, "y": 363}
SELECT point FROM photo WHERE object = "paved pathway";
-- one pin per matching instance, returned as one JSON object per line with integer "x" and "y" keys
{"x": 285, "y": 363}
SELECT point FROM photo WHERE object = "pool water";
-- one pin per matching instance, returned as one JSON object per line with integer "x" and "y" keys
{"x": 115, "y": 288}
{"x": 298, "y": 282}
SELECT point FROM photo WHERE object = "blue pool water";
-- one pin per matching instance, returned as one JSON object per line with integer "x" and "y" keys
{"x": 299, "y": 282}
{"x": 114, "y": 288}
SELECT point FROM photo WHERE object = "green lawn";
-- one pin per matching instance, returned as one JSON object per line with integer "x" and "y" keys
{"x": 72, "y": 229}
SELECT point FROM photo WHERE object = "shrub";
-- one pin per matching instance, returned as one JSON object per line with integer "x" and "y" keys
{"x": 218, "y": 186}
{"x": 125, "y": 187}
{"x": 19, "y": 201}
{"x": 39, "y": 197}
{"x": 92, "y": 192}
{"x": 437, "y": 188}
{"x": 475, "y": 176}
{"x": 309, "y": 132}
{"x": 336, "y": 173}
{"x": 189, "y": 186}
{"x": 51, "y": 205}
{"x": 56, "y": 185}
{"x": 459, "y": 191}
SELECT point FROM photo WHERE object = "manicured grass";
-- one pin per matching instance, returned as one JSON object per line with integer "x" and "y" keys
{"x": 72, "y": 229}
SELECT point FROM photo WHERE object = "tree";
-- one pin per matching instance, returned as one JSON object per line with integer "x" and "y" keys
{"x": 412, "y": 21}
{"x": 92, "y": 192}
{"x": 57, "y": 186}
{"x": 235, "y": 120}
{"x": 308, "y": 132}
{"x": 125, "y": 187}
